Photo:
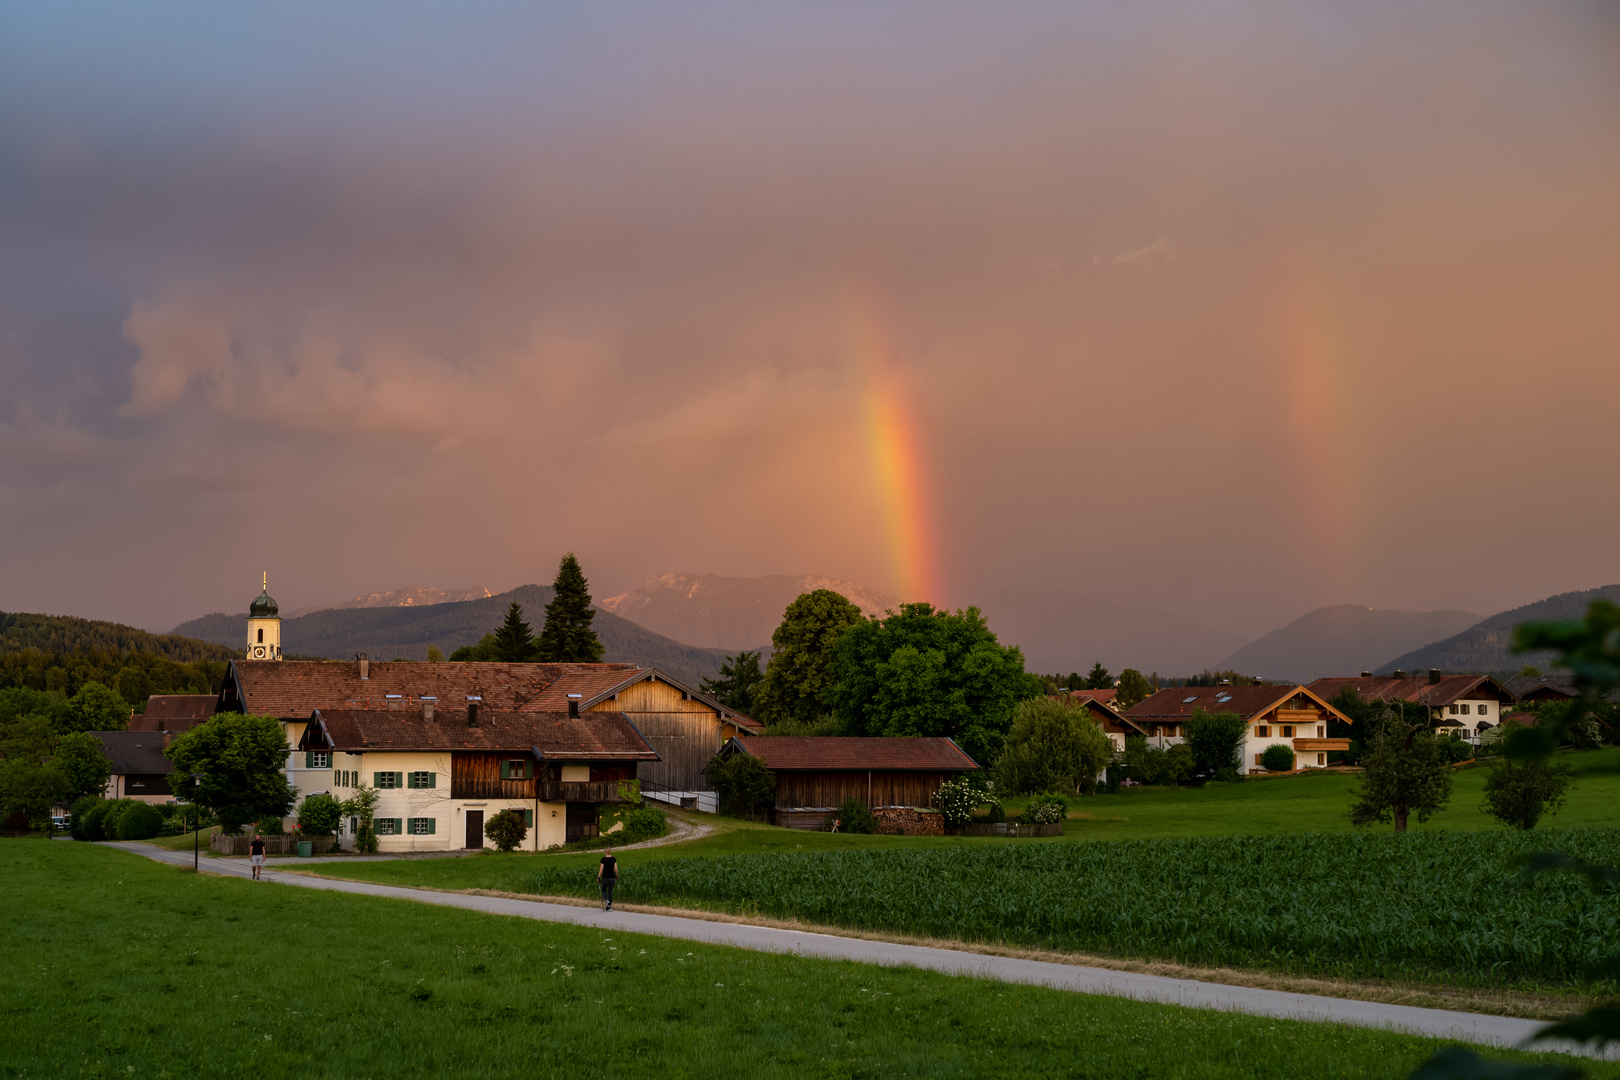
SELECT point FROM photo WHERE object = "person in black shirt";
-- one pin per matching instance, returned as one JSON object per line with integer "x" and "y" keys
{"x": 256, "y": 850}
{"x": 607, "y": 876}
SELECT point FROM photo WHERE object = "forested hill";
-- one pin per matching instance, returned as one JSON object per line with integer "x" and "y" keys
{"x": 58, "y": 635}
{"x": 1488, "y": 646}
{"x": 388, "y": 633}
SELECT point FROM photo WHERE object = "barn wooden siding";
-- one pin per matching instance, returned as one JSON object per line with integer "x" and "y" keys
{"x": 478, "y": 776}
{"x": 686, "y": 733}
{"x": 874, "y": 788}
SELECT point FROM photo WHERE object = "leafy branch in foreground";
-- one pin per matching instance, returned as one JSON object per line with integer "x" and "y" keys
{"x": 1589, "y": 647}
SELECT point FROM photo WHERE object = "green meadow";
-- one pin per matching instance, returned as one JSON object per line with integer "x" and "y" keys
{"x": 119, "y": 967}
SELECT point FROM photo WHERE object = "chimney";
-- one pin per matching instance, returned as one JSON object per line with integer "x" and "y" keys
{"x": 472, "y": 714}
{"x": 427, "y": 711}
{"x": 573, "y": 705}
{"x": 365, "y": 668}
{"x": 1366, "y": 674}
{"x": 1434, "y": 676}
{"x": 1399, "y": 674}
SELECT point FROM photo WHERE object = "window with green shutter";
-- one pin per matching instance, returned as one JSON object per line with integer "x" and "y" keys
{"x": 317, "y": 759}
{"x": 388, "y": 780}
{"x": 389, "y": 826}
{"x": 423, "y": 779}
{"x": 422, "y": 826}
{"x": 515, "y": 769}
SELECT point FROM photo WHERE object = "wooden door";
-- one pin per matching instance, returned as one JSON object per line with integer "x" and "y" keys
{"x": 580, "y": 821}
{"x": 475, "y": 828}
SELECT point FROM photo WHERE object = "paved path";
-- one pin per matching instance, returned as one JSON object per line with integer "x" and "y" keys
{"x": 1436, "y": 1023}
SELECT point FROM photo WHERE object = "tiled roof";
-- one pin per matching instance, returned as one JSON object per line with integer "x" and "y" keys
{"x": 1521, "y": 686}
{"x": 594, "y": 736}
{"x": 292, "y": 689}
{"x": 809, "y": 752}
{"x": 1417, "y": 689}
{"x": 135, "y": 753}
{"x": 1178, "y": 702}
{"x": 181, "y": 706}
{"x": 1104, "y": 696}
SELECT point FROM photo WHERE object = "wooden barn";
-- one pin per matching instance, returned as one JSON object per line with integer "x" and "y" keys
{"x": 815, "y": 774}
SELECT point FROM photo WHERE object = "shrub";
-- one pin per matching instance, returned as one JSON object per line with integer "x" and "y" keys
{"x": 318, "y": 815}
{"x": 957, "y": 799}
{"x": 1171, "y": 765}
{"x": 1277, "y": 758}
{"x": 85, "y": 811}
{"x": 140, "y": 821}
{"x": 1585, "y": 734}
{"x": 643, "y": 822}
{"x": 856, "y": 817}
{"x": 271, "y": 826}
{"x": 1046, "y": 808}
{"x": 996, "y": 814}
{"x": 506, "y": 829}
{"x": 109, "y": 819}
{"x": 1457, "y": 750}
{"x": 743, "y": 783}
{"x": 232, "y": 818}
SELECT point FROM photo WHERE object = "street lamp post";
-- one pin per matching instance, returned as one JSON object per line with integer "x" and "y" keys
{"x": 196, "y": 826}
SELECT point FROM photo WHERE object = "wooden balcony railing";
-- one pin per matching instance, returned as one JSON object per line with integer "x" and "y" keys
{"x": 606, "y": 791}
{"x": 1317, "y": 746}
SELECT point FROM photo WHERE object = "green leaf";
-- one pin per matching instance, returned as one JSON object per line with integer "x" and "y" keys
{"x": 1600, "y": 1026}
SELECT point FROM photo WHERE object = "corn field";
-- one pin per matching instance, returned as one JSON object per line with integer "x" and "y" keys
{"x": 1425, "y": 906}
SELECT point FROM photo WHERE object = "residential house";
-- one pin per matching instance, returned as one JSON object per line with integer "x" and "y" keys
{"x": 1108, "y": 697}
{"x": 815, "y": 774}
{"x": 1292, "y": 716}
{"x": 174, "y": 713}
{"x": 1104, "y": 712}
{"x": 139, "y": 769}
{"x": 443, "y": 773}
{"x": 1473, "y": 703}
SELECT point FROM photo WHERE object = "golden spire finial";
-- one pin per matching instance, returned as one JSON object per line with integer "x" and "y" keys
{"x": 266, "y": 581}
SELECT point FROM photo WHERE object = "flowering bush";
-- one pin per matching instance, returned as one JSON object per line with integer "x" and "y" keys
{"x": 1046, "y": 808}
{"x": 957, "y": 799}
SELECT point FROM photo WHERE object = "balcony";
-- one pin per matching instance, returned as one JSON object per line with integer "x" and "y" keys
{"x": 1317, "y": 746}
{"x": 603, "y": 791}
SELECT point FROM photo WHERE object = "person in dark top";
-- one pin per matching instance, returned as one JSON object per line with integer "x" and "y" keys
{"x": 256, "y": 850}
{"x": 607, "y": 876}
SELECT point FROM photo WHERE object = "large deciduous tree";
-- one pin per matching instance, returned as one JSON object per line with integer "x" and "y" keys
{"x": 738, "y": 682}
{"x": 1406, "y": 772}
{"x": 1052, "y": 747}
{"x": 567, "y": 637}
{"x": 97, "y": 708}
{"x": 926, "y": 672}
{"x": 41, "y": 769}
{"x": 799, "y": 676}
{"x": 1133, "y": 687}
{"x": 1215, "y": 740}
{"x": 1518, "y": 793}
{"x": 239, "y": 760}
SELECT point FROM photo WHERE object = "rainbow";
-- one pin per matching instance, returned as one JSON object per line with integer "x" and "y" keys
{"x": 898, "y": 468}
{"x": 1311, "y": 348}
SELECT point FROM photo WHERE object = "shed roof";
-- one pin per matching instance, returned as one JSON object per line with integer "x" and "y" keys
{"x": 594, "y": 736}
{"x": 1179, "y": 702}
{"x": 1417, "y": 689}
{"x": 832, "y": 753}
{"x": 174, "y": 712}
{"x": 135, "y": 753}
{"x": 292, "y": 689}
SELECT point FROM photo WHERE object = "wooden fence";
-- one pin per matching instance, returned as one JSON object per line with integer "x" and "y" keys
{"x": 273, "y": 845}
{"x": 1007, "y": 828}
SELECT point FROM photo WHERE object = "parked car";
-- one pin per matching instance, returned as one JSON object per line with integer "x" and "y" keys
{"x": 61, "y": 822}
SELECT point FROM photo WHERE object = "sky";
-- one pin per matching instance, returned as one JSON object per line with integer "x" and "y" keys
{"x": 1233, "y": 310}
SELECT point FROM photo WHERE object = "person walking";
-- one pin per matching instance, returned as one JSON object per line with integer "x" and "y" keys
{"x": 607, "y": 876}
{"x": 256, "y": 856}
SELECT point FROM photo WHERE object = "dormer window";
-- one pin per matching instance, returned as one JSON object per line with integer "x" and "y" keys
{"x": 393, "y": 697}
{"x": 475, "y": 697}
{"x": 429, "y": 697}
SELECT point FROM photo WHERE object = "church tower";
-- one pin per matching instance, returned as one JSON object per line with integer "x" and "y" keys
{"x": 264, "y": 627}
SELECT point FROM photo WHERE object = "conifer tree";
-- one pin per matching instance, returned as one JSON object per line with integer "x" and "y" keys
{"x": 514, "y": 642}
{"x": 567, "y": 637}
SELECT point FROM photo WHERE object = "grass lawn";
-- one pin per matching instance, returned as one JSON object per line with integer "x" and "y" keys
{"x": 185, "y": 842}
{"x": 120, "y": 967}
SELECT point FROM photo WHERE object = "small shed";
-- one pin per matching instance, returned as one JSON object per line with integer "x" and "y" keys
{"x": 815, "y": 774}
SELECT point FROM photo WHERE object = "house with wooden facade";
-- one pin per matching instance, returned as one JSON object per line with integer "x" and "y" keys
{"x": 1473, "y": 703}
{"x": 1291, "y": 716}
{"x": 1102, "y": 712}
{"x": 815, "y": 774}
{"x": 442, "y": 774}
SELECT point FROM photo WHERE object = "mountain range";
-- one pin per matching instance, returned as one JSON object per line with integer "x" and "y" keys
{"x": 406, "y": 631}
{"x": 1342, "y": 640}
{"x": 729, "y": 613}
{"x": 409, "y": 596}
{"x": 1487, "y": 646}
